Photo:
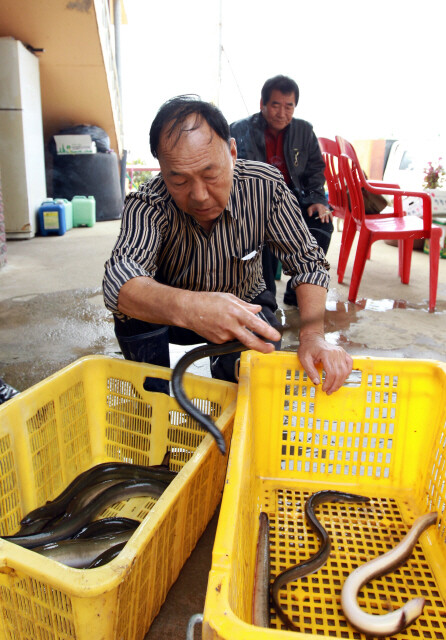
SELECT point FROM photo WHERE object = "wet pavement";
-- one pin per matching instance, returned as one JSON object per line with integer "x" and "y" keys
{"x": 52, "y": 313}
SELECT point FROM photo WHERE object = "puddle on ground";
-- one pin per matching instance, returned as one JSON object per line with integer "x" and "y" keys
{"x": 41, "y": 334}
{"x": 384, "y": 328}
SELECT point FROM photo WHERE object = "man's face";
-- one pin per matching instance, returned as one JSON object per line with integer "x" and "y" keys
{"x": 198, "y": 171}
{"x": 279, "y": 110}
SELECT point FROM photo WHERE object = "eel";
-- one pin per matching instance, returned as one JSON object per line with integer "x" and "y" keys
{"x": 99, "y": 472}
{"x": 106, "y": 526}
{"x": 260, "y": 601}
{"x": 317, "y": 560}
{"x": 207, "y": 350}
{"x": 107, "y": 556}
{"x": 67, "y": 527}
{"x": 178, "y": 390}
{"x": 79, "y": 554}
{"x": 388, "y": 624}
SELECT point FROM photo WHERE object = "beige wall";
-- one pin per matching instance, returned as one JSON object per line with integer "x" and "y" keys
{"x": 371, "y": 155}
{"x": 73, "y": 77}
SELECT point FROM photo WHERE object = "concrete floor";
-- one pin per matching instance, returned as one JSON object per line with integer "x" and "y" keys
{"x": 51, "y": 313}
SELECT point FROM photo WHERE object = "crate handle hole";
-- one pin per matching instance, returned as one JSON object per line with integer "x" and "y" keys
{"x": 158, "y": 385}
{"x": 354, "y": 379}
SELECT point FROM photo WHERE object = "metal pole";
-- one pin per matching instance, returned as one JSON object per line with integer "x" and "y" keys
{"x": 117, "y": 21}
{"x": 220, "y": 50}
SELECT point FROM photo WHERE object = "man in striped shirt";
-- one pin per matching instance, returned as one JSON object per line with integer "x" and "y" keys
{"x": 187, "y": 264}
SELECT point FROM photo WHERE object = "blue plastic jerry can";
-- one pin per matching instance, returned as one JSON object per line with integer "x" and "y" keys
{"x": 51, "y": 218}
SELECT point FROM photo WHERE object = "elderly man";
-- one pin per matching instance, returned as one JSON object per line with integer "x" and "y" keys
{"x": 186, "y": 266}
{"x": 274, "y": 136}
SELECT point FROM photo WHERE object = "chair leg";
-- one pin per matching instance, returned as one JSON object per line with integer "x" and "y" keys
{"x": 400, "y": 258}
{"x": 362, "y": 251}
{"x": 434, "y": 260}
{"x": 406, "y": 254}
{"x": 348, "y": 235}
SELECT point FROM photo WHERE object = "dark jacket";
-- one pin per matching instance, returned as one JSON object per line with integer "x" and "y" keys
{"x": 301, "y": 150}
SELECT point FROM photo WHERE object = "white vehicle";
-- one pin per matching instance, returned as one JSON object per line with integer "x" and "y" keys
{"x": 407, "y": 161}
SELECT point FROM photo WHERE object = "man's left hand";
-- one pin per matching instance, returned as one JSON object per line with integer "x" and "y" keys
{"x": 320, "y": 211}
{"x": 336, "y": 362}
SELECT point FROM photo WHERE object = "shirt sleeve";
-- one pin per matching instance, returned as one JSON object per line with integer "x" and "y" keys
{"x": 137, "y": 247}
{"x": 290, "y": 240}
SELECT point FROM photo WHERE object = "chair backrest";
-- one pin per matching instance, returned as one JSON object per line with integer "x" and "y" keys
{"x": 337, "y": 195}
{"x": 354, "y": 178}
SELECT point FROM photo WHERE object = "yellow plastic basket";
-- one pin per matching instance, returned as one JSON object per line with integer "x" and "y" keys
{"x": 383, "y": 435}
{"x": 93, "y": 411}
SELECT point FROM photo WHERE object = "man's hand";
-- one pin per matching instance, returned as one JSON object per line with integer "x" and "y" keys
{"x": 221, "y": 317}
{"x": 320, "y": 211}
{"x": 337, "y": 364}
{"x": 313, "y": 349}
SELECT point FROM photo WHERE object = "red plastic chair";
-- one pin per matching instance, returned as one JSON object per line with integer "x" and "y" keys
{"x": 337, "y": 192}
{"x": 394, "y": 226}
{"x": 350, "y": 231}
{"x": 337, "y": 196}
{"x": 339, "y": 200}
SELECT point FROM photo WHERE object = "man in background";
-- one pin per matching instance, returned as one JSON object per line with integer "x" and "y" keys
{"x": 290, "y": 144}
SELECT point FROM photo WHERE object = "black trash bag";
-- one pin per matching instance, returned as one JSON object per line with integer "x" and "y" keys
{"x": 98, "y": 135}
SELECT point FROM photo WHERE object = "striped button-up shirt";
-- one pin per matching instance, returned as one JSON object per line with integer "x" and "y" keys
{"x": 159, "y": 240}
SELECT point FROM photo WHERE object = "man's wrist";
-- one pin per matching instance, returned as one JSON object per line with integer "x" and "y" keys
{"x": 311, "y": 335}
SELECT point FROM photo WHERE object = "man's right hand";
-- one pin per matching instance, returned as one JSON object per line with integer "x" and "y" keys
{"x": 221, "y": 317}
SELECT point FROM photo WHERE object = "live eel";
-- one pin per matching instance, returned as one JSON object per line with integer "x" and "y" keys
{"x": 317, "y": 560}
{"x": 80, "y": 554}
{"x": 387, "y": 624}
{"x": 178, "y": 390}
{"x": 260, "y": 601}
{"x": 184, "y": 362}
{"x": 83, "y": 499}
{"x": 122, "y": 491}
{"x": 107, "y": 556}
{"x": 103, "y": 471}
{"x": 106, "y": 526}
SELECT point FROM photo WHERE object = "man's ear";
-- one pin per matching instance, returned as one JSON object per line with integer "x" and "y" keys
{"x": 233, "y": 150}
{"x": 261, "y": 104}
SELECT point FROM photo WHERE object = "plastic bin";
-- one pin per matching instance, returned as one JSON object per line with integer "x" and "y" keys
{"x": 84, "y": 211}
{"x": 383, "y": 435}
{"x": 96, "y": 174}
{"x": 92, "y": 411}
{"x": 51, "y": 217}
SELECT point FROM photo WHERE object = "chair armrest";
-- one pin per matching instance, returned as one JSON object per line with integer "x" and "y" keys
{"x": 380, "y": 183}
{"x": 398, "y": 194}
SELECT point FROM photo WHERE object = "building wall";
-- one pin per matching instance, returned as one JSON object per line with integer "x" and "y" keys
{"x": 75, "y": 85}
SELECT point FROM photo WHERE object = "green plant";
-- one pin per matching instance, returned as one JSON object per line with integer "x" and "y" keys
{"x": 434, "y": 176}
{"x": 140, "y": 176}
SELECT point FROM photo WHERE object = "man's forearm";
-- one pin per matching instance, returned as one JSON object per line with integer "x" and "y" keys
{"x": 311, "y": 301}
{"x": 146, "y": 299}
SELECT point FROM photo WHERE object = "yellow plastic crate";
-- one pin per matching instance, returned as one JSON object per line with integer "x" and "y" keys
{"x": 96, "y": 410}
{"x": 383, "y": 435}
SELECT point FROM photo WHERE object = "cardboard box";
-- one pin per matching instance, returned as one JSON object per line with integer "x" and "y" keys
{"x": 441, "y": 223}
{"x": 414, "y": 206}
{"x": 74, "y": 144}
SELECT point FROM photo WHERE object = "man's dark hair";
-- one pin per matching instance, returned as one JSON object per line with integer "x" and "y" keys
{"x": 282, "y": 84}
{"x": 177, "y": 111}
